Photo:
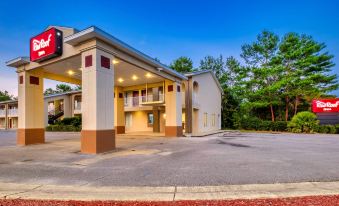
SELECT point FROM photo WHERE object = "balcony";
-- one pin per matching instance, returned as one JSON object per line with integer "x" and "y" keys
{"x": 13, "y": 112}
{"x": 77, "y": 108}
{"x": 148, "y": 100}
{"x": 2, "y": 113}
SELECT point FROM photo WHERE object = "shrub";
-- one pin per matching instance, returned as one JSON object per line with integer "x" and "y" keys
{"x": 327, "y": 129}
{"x": 280, "y": 126}
{"x": 337, "y": 129}
{"x": 303, "y": 122}
{"x": 253, "y": 123}
{"x": 63, "y": 128}
{"x": 74, "y": 121}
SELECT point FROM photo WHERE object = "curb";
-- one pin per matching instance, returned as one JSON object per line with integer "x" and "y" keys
{"x": 172, "y": 193}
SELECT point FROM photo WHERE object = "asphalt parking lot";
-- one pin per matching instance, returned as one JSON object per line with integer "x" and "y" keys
{"x": 232, "y": 158}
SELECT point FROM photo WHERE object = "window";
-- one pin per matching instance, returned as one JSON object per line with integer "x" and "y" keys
{"x": 150, "y": 119}
{"x": 213, "y": 120}
{"x": 205, "y": 119}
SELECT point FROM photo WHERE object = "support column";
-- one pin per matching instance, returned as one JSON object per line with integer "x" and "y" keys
{"x": 6, "y": 116}
{"x": 156, "y": 119}
{"x": 31, "y": 128}
{"x": 119, "y": 114}
{"x": 188, "y": 106}
{"x": 173, "y": 108}
{"x": 97, "y": 133}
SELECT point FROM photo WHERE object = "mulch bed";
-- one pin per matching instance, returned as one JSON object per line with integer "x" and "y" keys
{"x": 300, "y": 201}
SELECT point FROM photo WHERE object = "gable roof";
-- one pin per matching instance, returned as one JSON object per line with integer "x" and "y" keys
{"x": 195, "y": 73}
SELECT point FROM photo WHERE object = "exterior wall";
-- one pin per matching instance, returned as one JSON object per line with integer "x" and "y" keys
{"x": 2, "y": 122}
{"x": 206, "y": 101}
{"x": 139, "y": 122}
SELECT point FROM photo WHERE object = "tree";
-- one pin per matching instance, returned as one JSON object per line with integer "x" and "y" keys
{"x": 4, "y": 96}
{"x": 182, "y": 65}
{"x": 216, "y": 65}
{"x": 61, "y": 88}
{"x": 263, "y": 74}
{"x": 306, "y": 69}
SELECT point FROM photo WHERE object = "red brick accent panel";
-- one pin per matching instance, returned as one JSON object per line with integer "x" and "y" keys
{"x": 105, "y": 62}
{"x": 88, "y": 61}
{"x": 170, "y": 88}
{"x": 30, "y": 136}
{"x": 34, "y": 80}
{"x": 21, "y": 79}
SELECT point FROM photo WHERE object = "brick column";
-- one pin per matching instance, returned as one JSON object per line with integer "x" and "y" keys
{"x": 31, "y": 127}
{"x": 98, "y": 134}
{"x": 173, "y": 108}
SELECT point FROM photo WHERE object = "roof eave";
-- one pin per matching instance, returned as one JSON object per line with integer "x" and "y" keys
{"x": 19, "y": 61}
{"x": 94, "y": 32}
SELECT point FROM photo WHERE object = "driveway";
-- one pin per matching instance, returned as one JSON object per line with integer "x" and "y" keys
{"x": 232, "y": 158}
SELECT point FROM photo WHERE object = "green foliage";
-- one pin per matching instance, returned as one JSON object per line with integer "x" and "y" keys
{"x": 73, "y": 121}
{"x": 303, "y": 122}
{"x": 253, "y": 123}
{"x": 216, "y": 65}
{"x": 67, "y": 124}
{"x": 61, "y": 88}
{"x": 327, "y": 129}
{"x": 229, "y": 106}
{"x": 4, "y": 96}
{"x": 182, "y": 64}
{"x": 63, "y": 128}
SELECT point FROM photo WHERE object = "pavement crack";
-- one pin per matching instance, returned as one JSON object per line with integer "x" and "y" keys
{"x": 23, "y": 191}
{"x": 175, "y": 192}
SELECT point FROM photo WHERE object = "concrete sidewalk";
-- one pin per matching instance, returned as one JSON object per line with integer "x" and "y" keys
{"x": 57, "y": 192}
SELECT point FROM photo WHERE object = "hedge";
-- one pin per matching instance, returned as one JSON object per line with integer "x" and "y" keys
{"x": 67, "y": 124}
{"x": 62, "y": 128}
{"x": 260, "y": 125}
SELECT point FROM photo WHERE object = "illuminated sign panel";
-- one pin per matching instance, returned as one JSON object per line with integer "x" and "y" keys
{"x": 325, "y": 105}
{"x": 46, "y": 45}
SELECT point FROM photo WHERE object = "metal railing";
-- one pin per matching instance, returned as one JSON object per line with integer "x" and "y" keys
{"x": 13, "y": 112}
{"x": 77, "y": 108}
{"x": 2, "y": 112}
{"x": 195, "y": 101}
{"x": 137, "y": 101}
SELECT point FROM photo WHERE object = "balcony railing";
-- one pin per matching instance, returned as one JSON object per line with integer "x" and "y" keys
{"x": 13, "y": 112}
{"x": 195, "y": 102}
{"x": 2, "y": 112}
{"x": 77, "y": 108}
{"x": 138, "y": 101}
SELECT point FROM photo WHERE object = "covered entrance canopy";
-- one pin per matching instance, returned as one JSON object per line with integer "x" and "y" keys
{"x": 105, "y": 67}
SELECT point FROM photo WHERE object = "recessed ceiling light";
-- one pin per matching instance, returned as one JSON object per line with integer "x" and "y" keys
{"x": 148, "y": 75}
{"x": 134, "y": 77}
{"x": 120, "y": 80}
{"x": 115, "y": 61}
{"x": 70, "y": 72}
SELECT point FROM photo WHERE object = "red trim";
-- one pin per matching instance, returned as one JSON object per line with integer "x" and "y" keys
{"x": 105, "y": 62}
{"x": 88, "y": 61}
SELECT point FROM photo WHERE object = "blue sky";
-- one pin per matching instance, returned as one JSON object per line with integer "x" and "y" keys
{"x": 167, "y": 29}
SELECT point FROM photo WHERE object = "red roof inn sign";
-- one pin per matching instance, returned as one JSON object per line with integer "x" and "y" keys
{"x": 325, "y": 105}
{"x": 46, "y": 45}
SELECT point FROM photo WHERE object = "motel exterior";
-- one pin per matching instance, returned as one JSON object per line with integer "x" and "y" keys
{"x": 123, "y": 90}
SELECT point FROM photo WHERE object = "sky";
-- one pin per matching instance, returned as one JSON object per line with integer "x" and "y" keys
{"x": 168, "y": 29}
